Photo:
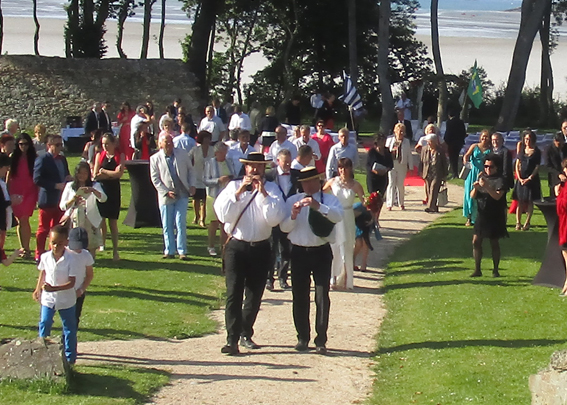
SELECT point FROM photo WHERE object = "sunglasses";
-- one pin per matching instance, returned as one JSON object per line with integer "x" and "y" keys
{"x": 488, "y": 166}
{"x": 23, "y": 143}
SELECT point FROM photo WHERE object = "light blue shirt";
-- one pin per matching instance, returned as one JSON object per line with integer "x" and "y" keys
{"x": 185, "y": 142}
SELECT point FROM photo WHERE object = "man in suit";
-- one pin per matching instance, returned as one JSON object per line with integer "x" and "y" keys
{"x": 400, "y": 119}
{"x": 556, "y": 152}
{"x": 50, "y": 173}
{"x": 219, "y": 111}
{"x": 96, "y": 119}
{"x": 455, "y": 135}
{"x": 287, "y": 183}
{"x": 173, "y": 177}
{"x": 498, "y": 148}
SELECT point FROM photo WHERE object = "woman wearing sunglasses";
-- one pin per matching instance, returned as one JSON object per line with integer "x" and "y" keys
{"x": 489, "y": 191}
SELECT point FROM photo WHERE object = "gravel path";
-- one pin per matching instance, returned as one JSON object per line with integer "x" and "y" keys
{"x": 276, "y": 373}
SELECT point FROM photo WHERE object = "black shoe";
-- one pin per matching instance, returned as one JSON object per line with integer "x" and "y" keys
{"x": 476, "y": 274}
{"x": 495, "y": 273}
{"x": 322, "y": 350}
{"x": 168, "y": 257}
{"x": 302, "y": 346}
{"x": 270, "y": 285}
{"x": 231, "y": 349}
{"x": 284, "y": 285}
{"x": 248, "y": 343}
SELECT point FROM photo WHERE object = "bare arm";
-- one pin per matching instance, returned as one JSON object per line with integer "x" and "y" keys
{"x": 88, "y": 278}
{"x": 40, "y": 281}
{"x": 328, "y": 185}
{"x": 359, "y": 191}
{"x": 467, "y": 155}
{"x": 10, "y": 259}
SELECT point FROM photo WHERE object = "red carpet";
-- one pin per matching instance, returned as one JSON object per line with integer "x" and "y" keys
{"x": 414, "y": 179}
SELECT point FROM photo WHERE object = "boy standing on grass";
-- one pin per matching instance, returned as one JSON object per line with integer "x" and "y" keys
{"x": 78, "y": 245}
{"x": 55, "y": 290}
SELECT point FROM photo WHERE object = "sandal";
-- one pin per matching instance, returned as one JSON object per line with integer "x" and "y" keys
{"x": 202, "y": 224}
{"x": 468, "y": 223}
{"x": 526, "y": 227}
{"x": 518, "y": 227}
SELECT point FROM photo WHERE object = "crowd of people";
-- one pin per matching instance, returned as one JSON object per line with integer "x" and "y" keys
{"x": 286, "y": 205}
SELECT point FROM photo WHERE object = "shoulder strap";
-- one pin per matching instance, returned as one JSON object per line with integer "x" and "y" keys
{"x": 242, "y": 213}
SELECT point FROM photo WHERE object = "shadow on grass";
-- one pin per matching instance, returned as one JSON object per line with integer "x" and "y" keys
{"x": 148, "y": 294}
{"x": 116, "y": 382}
{"x": 108, "y": 333}
{"x": 457, "y": 344}
{"x": 164, "y": 265}
{"x": 501, "y": 281}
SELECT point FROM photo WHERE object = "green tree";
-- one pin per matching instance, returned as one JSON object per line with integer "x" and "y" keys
{"x": 84, "y": 31}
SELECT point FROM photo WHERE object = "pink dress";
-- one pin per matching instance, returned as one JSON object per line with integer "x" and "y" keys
{"x": 22, "y": 184}
{"x": 124, "y": 136}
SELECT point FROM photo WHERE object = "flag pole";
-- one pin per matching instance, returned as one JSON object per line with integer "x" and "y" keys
{"x": 352, "y": 118}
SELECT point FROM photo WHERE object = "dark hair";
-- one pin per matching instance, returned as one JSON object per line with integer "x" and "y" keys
{"x": 30, "y": 154}
{"x": 50, "y": 139}
{"x": 378, "y": 136}
{"x": 6, "y": 138}
{"x": 170, "y": 109}
{"x": 564, "y": 163}
{"x": 5, "y": 160}
{"x": 346, "y": 163}
{"x": 125, "y": 104}
{"x": 304, "y": 150}
{"x": 60, "y": 230}
{"x": 496, "y": 159}
{"x": 559, "y": 137}
{"x": 531, "y": 134}
{"x": 88, "y": 183}
{"x": 202, "y": 135}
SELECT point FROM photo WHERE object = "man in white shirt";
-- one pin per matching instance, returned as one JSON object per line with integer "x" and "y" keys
{"x": 310, "y": 220}
{"x": 239, "y": 120}
{"x": 249, "y": 208}
{"x": 306, "y": 139}
{"x": 239, "y": 151}
{"x": 341, "y": 150}
{"x": 141, "y": 116}
{"x": 280, "y": 143}
{"x": 304, "y": 157}
{"x": 213, "y": 124}
{"x": 404, "y": 104}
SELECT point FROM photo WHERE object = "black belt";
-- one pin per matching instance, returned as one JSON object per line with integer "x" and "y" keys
{"x": 311, "y": 248}
{"x": 252, "y": 244}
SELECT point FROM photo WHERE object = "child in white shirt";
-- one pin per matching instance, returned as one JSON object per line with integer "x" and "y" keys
{"x": 55, "y": 290}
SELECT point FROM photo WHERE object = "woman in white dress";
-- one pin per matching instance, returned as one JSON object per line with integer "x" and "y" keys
{"x": 346, "y": 189}
{"x": 199, "y": 155}
{"x": 400, "y": 150}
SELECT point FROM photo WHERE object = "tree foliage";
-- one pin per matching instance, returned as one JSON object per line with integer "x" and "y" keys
{"x": 84, "y": 31}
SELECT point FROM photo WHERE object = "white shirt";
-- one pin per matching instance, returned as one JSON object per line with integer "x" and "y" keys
{"x": 298, "y": 142}
{"x": 241, "y": 121}
{"x": 234, "y": 155}
{"x": 284, "y": 181}
{"x": 299, "y": 231}
{"x": 90, "y": 202}
{"x": 58, "y": 273}
{"x": 260, "y": 217}
{"x": 185, "y": 142}
{"x": 82, "y": 260}
{"x": 214, "y": 125}
{"x": 406, "y": 106}
{"x": 338, "y": 151}
{"x": 134, "y": 124}
{"x": 9, "y": 210}
{"x": 275, "y": 147}
{"x": 296, "y": 165}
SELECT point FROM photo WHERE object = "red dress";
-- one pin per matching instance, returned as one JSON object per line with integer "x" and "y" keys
{"x": 562, "y": 214}
{"x": 125, "y": 133}
{"x": 22, "y": 184}
{"x": 325, "y": 144}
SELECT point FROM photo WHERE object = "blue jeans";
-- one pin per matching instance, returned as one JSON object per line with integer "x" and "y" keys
{"x": 174, "y": 215}
{"x": 69, "y": 322}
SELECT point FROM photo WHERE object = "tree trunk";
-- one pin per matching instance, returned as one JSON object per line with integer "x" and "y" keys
{"x": 387, "y": 121}
{"x": 146, "y": 28}
{"x": 202, "y": 28}
{"x": 532, "y": 15}
{"x": 36, "y": 34}
{"x": 353, "y": 65}
{"x": 243, "y": 56}
{"x": 1, "y": 27}
{"x": 546, "y": 83}
{"x": 441, "y": 82}
{"x": 161, "y": 30}
{"x": 211, "y": 55}
{"x": 288, "y": 82}
{"x": 71, "y": 30}
{"x": 122, "y": 15}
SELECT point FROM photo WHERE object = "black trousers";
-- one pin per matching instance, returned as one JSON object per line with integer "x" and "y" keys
{"x": 79, "y": 307}
{"x": 454, "y": 152}
{"x": 305, "y": 261}
{"x": 280, "y": 240}
{"x": 246, "y": 266}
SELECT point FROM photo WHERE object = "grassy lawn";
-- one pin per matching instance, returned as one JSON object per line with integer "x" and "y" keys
{"x": 142, "y": 296}
{"x": 452, "y": 339}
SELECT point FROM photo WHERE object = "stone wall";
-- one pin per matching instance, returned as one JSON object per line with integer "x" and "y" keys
{"x": 549, "y": 386}
{"x": 48, "y": 89}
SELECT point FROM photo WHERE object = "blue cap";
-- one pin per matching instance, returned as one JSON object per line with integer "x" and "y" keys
{"x": 78, "y": 239}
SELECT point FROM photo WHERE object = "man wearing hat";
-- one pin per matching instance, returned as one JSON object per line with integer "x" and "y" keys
{"x": 249, "y": 208}
{"x": 310, "y": 224}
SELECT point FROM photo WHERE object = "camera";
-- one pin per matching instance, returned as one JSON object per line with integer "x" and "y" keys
{"x": 249, "y": 187}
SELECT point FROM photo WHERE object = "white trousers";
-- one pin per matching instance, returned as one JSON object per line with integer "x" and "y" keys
{"x": 396, "y": 179}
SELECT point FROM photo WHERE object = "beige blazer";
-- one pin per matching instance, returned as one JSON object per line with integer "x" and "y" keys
{"x": 161, "y": 177}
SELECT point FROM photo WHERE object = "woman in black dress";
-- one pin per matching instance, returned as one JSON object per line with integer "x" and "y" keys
{"x": 528, "y": 186}
{"x": 490, "y": 193}
{"x": 378, "y": 164}
{"x": 108, "y": 170}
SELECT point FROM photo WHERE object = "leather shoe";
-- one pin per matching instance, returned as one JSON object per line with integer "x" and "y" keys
{"x": 270, "y": 285}
{"x": 183, "y": 257}
{"x": 322, "y": 350}
{"x": 495, "y": 273}
{"x": 476, "y": 274}
{"x": 248, "y": 343}
{"x": 284, "y": 285}
{"x": 301, "y": 346}
{"x": 230, "y": 349}
{"x": 168, "y": 256}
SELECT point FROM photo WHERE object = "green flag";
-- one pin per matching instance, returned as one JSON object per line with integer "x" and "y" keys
{"x": 475, "y": 88}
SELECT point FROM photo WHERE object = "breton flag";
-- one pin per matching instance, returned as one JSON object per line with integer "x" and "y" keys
{"x": 351, "y": 96}
{"x": 475, "y": 87}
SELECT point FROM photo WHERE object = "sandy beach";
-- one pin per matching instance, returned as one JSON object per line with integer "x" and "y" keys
{"x": 494, "y": 54}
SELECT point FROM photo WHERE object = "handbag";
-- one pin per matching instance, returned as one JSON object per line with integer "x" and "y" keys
{"x": 442, "y": 197}
{"x": 465, "y": 170}
{"x": 229, "y": 236}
